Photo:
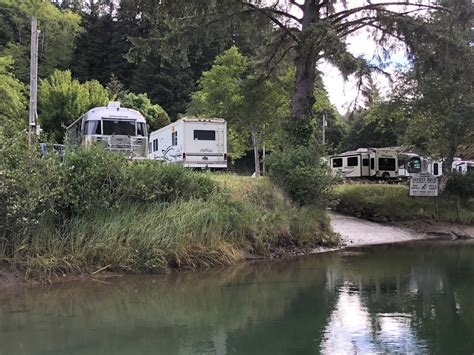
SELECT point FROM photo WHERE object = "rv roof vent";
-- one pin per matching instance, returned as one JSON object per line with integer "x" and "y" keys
{"x": 113, "y": 105}
{"x": 363, "y": 150}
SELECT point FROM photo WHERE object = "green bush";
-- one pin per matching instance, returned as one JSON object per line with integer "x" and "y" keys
{"x": 461, "y": 185}
{"x": 156, "y": 181}
{"x": 302, "y": 174}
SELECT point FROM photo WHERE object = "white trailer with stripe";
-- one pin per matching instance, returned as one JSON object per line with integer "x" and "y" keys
{"x": 191, "y": 142}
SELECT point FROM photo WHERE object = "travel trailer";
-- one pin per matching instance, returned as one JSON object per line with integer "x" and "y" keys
{"x": 114, "y": 128}
{"x": 376, "y": 163}
{"x": 191, "y": 142}
{"x": 463, "y": 166}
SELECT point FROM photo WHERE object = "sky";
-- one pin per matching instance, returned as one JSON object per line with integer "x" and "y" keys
{"x": 361, "y": 44}
{"x": 343, "y": 94}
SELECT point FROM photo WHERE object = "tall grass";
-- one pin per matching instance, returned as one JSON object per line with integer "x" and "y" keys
{"x": 240, "y": 217}
{"x": 392, "y": 202}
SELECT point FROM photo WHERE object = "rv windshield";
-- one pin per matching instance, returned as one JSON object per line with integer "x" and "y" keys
{"x": 119, "y": 127}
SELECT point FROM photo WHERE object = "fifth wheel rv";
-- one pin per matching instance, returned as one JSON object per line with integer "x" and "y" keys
{"x": 376, "y": 163}
{"x": 191, "y": 142}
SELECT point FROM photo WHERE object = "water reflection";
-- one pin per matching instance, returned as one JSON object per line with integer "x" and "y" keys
{"x": 387, "y": 299}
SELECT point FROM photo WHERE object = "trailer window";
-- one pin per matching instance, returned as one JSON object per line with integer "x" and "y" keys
{"x": 354, "y": 161}
{"x": 372, "y": 163}
{"x": 155, "y": 145}
{"x": 365, "y": 162}
{"x": 174, "y": 138}
{"x": 118, "y": 127}
{"x": 435, "y": 169}
{"x": 401, "y": 163}
{"x": 202, "y": 135}
{"x": 387, "y": 164}
{"x": 337, "y": 163}
{"x": 92, "y": 127}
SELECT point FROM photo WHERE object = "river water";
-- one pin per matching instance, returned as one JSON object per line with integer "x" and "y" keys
{"x": 415, "y": 298}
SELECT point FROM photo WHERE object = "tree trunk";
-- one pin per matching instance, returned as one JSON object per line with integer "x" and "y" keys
{"x": 255, "y": 152}
{"x": 303, "y": 99}
{"x": 447, "y": 168}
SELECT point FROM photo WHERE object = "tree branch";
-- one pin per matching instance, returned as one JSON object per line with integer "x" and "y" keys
{"x": 293, "y": 2}
{"x": 273, "y": 19}
{"x": 381, "y": 6}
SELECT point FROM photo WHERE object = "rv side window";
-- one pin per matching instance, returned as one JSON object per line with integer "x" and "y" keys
{"x": 387, "y": 164}
{"x": 435, "y": 169}
{"x": 372, "y": 163}
{"x": 174, "y": 138}
{"x": 141, "y": 129}
{"x": 202, "y": 135}
{"x": 337, "y": 163}
{"x": 155, "y": 145}
{"x": 92, "y": 127}
{"x": 354, "y": 161}
{"x": 365, "y": 162}
{"x": 414, "y": 165}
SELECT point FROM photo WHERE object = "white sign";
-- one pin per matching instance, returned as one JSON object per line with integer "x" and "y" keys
{"x": 424, "y": 184}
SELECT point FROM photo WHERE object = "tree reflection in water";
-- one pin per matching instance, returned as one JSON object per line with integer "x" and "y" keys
{"x": 415, "y": 298}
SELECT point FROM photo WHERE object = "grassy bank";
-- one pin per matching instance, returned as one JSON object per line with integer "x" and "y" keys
{"x": 393, "y": 203}
{"x": 97, "y": 210}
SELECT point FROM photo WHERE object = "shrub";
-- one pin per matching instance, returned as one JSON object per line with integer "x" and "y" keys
{"x": 302, "y": 174}
{"x": 461, "y": 185}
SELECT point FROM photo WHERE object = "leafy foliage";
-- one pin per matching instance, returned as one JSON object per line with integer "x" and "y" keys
{"x": 12, "y": 96}
{"x": 155, "y": 116}
{"x": 56, "y": 42}
{"x": 63, "y": 99}
{"x": 302, "y": 174}
{"x": 251, "y": 105}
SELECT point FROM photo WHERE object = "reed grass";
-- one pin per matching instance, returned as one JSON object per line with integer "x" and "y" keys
{"x": 244, "y": 216}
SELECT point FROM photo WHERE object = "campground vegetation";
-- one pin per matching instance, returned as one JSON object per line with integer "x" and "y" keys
{"x": 393, "y": 203}
{"x": 251, "y": 62}
{"x": 99, "y": 210}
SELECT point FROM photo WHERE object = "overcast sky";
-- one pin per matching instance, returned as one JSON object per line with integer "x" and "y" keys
{"x": 343, "y": 93}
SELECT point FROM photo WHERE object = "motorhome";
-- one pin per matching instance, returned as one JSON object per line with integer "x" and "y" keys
{"x": 191, "y": 142}
{"x": 376, "y": 163}
{"x": 112, "y": 127}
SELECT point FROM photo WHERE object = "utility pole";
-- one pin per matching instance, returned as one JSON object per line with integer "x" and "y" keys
{"x": 325, "y": 123}
{"x": 32, "y": 122}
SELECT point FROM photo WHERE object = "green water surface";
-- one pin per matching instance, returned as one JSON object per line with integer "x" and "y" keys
{"x": 416, "y": 298}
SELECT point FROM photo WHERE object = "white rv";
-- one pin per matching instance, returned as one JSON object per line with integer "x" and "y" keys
{"x": 463, "y": 166}
{"x": 114, "y": 128}
{"x": 191, "y": 142}
{"x": 376, "y": 163}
